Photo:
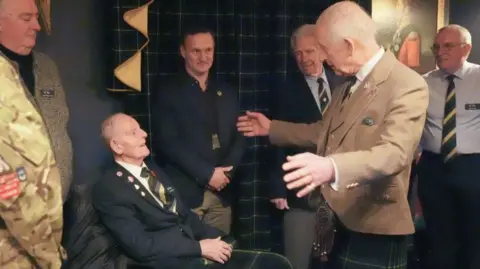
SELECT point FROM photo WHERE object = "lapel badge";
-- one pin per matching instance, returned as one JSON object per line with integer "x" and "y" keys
{"x": 21, "y": 174}
{"x": 142, "y": 193}
{"x": 368, "y": 121}
{"x": 137, "y": 187}
{"x": 119, "y": 174}
{"x": 219, "y": 93}
{"x": 152, "y": 173}
{"x": 130, "y": 179}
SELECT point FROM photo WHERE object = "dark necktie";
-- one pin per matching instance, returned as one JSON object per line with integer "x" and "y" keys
{"x": 349, "y": 84}
{"x": 158, "y": 189}
{"x": 323, "y": 98}
{"x": 449, "y": 138}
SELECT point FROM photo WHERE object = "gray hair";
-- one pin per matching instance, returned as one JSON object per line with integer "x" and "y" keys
{"x": 465, "y": 35}
{"x": 304, "y": 30}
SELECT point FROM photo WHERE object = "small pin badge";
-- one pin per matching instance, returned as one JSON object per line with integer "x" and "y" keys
{"x": 119, "y": 174}
{"x": 142, "y": 193}
{"x": 130, "y": 178}
{"x": 368, "y": 121}
{"x": 219, "y": 93}
{"x": 21, "y": 174}
{"x": 137, "y": 187}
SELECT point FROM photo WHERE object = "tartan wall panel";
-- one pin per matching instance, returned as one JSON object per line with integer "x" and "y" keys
{"x": 252, "y": 50}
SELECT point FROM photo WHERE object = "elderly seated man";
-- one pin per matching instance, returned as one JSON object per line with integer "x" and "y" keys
{"x": 145, "y": 216}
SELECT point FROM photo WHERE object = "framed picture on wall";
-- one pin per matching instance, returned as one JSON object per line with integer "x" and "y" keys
{"x": 408, "y": 28}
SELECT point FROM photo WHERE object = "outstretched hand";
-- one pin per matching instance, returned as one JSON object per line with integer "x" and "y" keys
{"x": 253, "y": 124}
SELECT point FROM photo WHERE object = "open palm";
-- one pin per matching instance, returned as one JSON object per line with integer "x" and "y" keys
{"x": 253, "y": 124}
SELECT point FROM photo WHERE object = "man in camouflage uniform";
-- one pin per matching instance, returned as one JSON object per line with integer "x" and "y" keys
{"x": 30, "y": 189}
{"x": 40, "y": 77}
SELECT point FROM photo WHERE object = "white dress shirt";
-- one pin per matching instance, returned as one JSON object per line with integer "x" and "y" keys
{"x": 313, "y": 85}
{"x": 136, "y": 171}
{"x": 467, "y": 97}
{"x": 361, "y": 75}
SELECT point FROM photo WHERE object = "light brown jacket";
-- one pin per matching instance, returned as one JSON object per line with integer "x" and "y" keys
{"x": 372, "y": 141}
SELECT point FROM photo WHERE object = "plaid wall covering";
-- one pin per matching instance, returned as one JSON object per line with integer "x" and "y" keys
{"x": 252, "y": 49}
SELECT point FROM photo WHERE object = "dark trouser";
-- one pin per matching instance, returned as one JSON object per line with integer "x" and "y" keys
{"x": 299, "y": 233}
{"x": 450, "y": 197}
{"x": 353, "y": 250}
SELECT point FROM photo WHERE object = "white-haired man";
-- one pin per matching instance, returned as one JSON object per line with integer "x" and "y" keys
{"x": 448, "y": 171}
{"x": 304, "y": 98}
{"x": 368, "y": 135}
{"x": 138, "y": 204}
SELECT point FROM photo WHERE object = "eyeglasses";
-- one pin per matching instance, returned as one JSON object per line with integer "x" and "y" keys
{"x": 446, "y": 46}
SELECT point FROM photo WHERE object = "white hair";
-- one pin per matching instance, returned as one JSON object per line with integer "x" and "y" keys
{"x": 304, "y": 30}
{"x": 465, "y": 35}
{"x": 348, "y": 20}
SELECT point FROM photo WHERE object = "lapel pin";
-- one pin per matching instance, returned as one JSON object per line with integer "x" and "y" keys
{"x": 130, "y": 178}
{"x": 368, "y": 121}
{"x": 137, "y": 187}
{"x": 142, "y": 193}
{"x": 219, "y": 93}
{"x": 119, "y": 174}
{"x": 21, "y": 174}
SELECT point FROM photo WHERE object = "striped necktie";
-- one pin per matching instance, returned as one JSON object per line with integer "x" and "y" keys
{"x": 323, "y": 98}
{"x": 449, "y": 138}
{"x": 158, "y": 189}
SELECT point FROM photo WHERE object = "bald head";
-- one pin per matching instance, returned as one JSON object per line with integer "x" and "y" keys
{"x": 347, "y": 35}
{"x": 111, "y": 125}
{"x": 347, "y": 19}
{"x": 125, "y": 138}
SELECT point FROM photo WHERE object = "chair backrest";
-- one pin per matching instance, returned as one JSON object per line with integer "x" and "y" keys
{"x": 87, "y": 241}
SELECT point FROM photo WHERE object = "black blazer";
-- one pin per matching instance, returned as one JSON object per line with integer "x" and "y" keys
{"x": 183, "y": 140}
{"x": 293, "y": 102}
{"x": 145, "y": 231}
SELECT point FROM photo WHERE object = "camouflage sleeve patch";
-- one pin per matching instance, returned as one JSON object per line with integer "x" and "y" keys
{"x": 10, "y": 180}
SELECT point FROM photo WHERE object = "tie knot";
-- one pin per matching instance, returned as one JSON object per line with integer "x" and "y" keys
{"x": 352, "y": 80}
{"x": 145, "y": 173}
{"x": 450, "y": 78}
{"x": 320, "y": 81}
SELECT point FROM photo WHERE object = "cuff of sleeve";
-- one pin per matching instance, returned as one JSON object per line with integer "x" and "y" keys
{"x": 336, "y": 183}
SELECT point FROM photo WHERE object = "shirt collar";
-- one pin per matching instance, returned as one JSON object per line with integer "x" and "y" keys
{"x": 135, "y": 170}
{"x": 460, "y": 73}
{"x": 322, "y": 75}
{"x": 368, "y": 67}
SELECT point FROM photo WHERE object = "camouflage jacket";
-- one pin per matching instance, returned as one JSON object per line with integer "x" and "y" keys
{"x": 30, "y": 187}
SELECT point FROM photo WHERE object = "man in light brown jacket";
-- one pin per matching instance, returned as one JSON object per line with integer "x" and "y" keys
{"x": 368, "y": 137}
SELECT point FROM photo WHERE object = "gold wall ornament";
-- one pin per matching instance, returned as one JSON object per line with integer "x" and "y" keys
{"x": 45, "y": 18}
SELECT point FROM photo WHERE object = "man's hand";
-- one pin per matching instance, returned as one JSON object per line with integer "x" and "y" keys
{"x": 309, "y": 171}
{"x": 253, "y": 124}
{"x": 219, "y": 180}
{"x": 216, "y": 250}
{"x": 280, "y": 203}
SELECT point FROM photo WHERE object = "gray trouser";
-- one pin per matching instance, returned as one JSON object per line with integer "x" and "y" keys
{"x": 299, "y": 234}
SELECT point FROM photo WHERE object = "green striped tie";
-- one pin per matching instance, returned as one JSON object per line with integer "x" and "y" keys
{"x": 449, "y": 137}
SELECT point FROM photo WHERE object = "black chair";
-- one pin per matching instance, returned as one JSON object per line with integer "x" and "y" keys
{"x": 88, "y": 243}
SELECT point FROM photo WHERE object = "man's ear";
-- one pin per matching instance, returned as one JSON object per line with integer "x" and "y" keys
{"x": 350, "y": 46}
{"x": 182, "y": 51}
{"x": 116, "y": 147}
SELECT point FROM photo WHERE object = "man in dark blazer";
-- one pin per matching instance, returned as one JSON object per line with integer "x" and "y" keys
{"x": 302, "y": 98}
{"x": 148, "y": 220}
{"x": 195, "y": 138}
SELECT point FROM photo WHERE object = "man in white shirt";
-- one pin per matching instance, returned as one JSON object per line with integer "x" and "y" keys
{"x": 448, "y": 171}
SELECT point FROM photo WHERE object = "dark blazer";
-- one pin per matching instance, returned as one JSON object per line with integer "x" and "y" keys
{"x": 144, "y": 230}
{"x": 293, "y": 102}
{"x": 183, "y": 140}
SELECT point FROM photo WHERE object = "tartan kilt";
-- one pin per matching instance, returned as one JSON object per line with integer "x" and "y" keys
{"x": 353, "y": 250}
{"x": 247, "y": 259}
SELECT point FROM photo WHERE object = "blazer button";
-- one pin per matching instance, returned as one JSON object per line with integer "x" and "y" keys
{"x": 332, "y": 136}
